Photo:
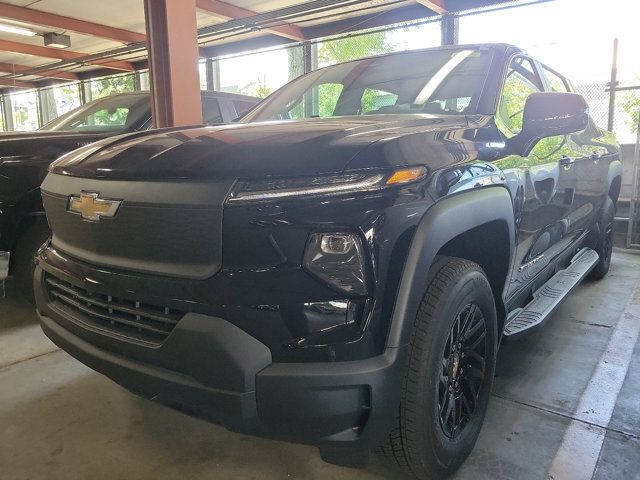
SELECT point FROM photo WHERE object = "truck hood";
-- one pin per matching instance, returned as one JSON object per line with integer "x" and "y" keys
{"x": 283, "y": 148}
{"x": 43, "y": 144}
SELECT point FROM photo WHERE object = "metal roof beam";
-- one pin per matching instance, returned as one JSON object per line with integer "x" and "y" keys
{"x": 371, "y": 20}
{"x": 59, "y": 74}
{"x": 226, "y": 11}
{"x": 38, "y": 51}
{"x": 38, "y": 17}
{"x": 434, "y": 5}
{"x": 11, "y": 83}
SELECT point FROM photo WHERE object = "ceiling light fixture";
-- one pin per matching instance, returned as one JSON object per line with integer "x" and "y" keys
{"x": 17, "y": 30}
{"x": 57, "y": 40}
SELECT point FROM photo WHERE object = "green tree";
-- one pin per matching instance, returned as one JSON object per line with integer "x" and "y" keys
{"x": 21, "y": 115}
{"x": 343, "y": 50}
{"x": 103, "y": 87}
{"x": 257, "y": 89}
{"x": 112, "y": 85}
{"x": 631, "y": 106}
{"x": 352, "y": 48}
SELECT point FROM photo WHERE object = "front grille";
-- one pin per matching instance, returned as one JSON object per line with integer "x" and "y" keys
{"x": 132, "y": 319}
{"x": 166, "y": 229}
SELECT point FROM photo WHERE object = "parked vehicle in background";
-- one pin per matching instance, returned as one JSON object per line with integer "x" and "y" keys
{"x": 340, "y": 267}
{"x": 25, "y": 157}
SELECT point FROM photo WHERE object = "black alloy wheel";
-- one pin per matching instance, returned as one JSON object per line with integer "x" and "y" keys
{"x": 602, "y": 240}
{"x": 463, "y": 370}
{"x": 451, "y": 363}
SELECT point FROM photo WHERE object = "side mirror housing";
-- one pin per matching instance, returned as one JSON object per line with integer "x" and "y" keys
{"x": 547, "y": 114}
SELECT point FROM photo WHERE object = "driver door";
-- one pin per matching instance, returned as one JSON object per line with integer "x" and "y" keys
{"x": 542, "y": 185}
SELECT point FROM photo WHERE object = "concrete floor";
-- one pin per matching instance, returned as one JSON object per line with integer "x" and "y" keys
{"x": 61, "y": 420}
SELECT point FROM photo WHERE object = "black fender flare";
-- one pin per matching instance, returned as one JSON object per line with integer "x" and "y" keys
{"x": 441, "y": 223}
{"x": 615, "y": 170}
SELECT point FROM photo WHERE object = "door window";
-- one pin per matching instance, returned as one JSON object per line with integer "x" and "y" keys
{"x": 211, "y": 111}
{"x": 556, "y": 82}
{"x": 242, "y": 106}
{"x": 521, "y": 81}
{"x": 113, "y": 114}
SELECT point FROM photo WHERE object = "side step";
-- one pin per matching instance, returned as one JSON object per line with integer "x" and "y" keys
{"x": 547, "y": 298}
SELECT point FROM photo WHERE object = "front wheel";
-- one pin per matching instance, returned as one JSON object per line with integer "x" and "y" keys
{"x": 450, "y": 372}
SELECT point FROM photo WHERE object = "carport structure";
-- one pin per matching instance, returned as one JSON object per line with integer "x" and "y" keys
{"x": 168, "y": 37}
{"x": 58, "y": 419}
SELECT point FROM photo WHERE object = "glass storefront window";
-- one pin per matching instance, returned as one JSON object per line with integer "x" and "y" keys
{"x": 25, "y": 111}
{"x": 202, "y": 71}
{"x": 105, "y": 86}
{"x": 144, "y": 80}
{"x": 257, "y": 74}
{"x": 66, "y": 97}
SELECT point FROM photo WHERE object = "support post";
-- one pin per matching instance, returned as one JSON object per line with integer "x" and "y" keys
{"x": 633, "y": 204}
{"x": 310, "y": 63}
{"x": 137, "y": 83}
{"x": 612, "y": 86}
{"x": 47, "y": 105}
{"x": 215, "y": 70}
{"x": 7, "y": 108}
{"x": 86, "y": 95}
{"x": 209, "y": 71}
{"x": 173, "y": 62}
{"x": 449, "y": 29}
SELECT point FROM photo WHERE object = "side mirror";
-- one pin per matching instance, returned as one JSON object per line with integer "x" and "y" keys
{"x": 547, "y": 114}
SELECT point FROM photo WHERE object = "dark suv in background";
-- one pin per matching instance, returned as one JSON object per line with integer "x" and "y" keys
{"x": 340, "y": 267}
{"x": 25, "y": 156}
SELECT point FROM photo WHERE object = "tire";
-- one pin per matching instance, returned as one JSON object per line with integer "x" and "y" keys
{"x": 603, "y": 243}
{"x": 423, "y": 445}
{"x": 26, "y": 248}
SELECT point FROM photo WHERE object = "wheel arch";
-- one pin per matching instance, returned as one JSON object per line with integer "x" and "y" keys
{"x": 614, "y": 180}
{"x": 449, "y": 228}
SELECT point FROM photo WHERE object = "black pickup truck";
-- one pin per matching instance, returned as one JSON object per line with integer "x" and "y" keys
{"x": 340, "y": 267}
{"x": 25, "y": 156}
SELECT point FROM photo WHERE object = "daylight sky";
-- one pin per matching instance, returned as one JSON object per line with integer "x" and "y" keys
{"x": 572, "y": 36}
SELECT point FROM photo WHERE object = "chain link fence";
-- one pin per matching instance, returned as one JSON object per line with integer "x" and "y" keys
{"x": 625, "y": 109}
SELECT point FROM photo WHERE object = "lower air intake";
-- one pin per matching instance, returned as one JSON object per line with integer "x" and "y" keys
{"x": 144, "y": 323}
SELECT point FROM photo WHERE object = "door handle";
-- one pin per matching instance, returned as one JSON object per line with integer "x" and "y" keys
{"x": 566, "y": 161}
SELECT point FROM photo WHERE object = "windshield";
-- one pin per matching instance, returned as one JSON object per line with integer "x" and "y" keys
{"x": 447, "y": 81}
{"x": 119, "y": 113}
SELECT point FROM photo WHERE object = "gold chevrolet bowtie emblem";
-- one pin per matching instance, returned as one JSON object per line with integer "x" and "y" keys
{"x": 91, "y": 207}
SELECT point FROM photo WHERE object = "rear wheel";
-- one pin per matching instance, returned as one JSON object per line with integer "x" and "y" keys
{"x": 450, "y": 372}
{"x": 603, "y": 244}
{"x": 23, "y": 261}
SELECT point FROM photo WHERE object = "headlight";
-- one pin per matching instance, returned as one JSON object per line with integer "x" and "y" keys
{"x": 337, "y": 259}
{"x": 323, "y": 185}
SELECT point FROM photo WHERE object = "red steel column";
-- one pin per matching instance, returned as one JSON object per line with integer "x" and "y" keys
{"x": 173, "y": 62}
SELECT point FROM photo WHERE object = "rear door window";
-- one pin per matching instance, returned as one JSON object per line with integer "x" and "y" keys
{"x": 211, "y": 112}
{"x": 242, "y": 106}
{"x": 557, "y": 83}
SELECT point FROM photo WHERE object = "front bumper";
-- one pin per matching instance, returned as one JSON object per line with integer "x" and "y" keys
{"x": 212, "y": 369}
